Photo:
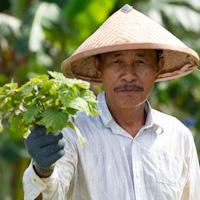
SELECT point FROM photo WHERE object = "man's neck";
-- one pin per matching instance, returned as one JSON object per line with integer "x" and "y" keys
{"x": 129, "y": 119}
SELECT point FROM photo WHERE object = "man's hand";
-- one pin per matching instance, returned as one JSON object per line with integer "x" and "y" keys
{"x": 45, "y": 149}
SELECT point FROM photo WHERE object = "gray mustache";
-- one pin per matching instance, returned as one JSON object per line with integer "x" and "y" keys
{"x": 129, "y": 87}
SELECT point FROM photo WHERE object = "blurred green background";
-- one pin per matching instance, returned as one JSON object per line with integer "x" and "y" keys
{"x": 35, "y": 36}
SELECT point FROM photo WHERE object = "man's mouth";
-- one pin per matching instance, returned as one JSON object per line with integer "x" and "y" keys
{"x": 129, "y": 88}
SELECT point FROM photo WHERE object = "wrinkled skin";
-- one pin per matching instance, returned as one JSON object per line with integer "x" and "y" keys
{"x": 128, "y": 78}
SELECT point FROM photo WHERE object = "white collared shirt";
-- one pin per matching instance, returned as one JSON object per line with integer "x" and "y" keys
{"x": 159, "y": 163}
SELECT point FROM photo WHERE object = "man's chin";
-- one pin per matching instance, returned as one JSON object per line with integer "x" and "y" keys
{"x": 130, "y": 102}
{"x": 129, "y": 94}
{"x": 127, "y": 104}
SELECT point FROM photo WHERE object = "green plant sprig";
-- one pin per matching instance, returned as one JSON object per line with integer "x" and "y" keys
{"x": 46, "y": 102}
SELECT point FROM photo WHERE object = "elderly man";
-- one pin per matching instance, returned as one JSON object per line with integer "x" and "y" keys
{"x": 133, "y": 152}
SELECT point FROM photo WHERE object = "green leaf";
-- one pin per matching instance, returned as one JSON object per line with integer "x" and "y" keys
{"x": 39, "y": 79}
{"x": 30, "y": 114}
{"x": 70, "y": 82}
{"x": 93, "y": 109}
{"x": 16, "y": 127}
{"x": 26, "y": 89}
{"x": 78, "y": 83}
{"x": 80, "y": 104}
{"x": 11, "y": 86}
{"x": 53, "y": 120}
{"x": 72, "y": 111}
{"x": 44, "y": 101}
{"x": 88, "y": 96}
{"x": 47, "y": 87}
{"x": 57, "y": 76}
{"x": 66, "y": 95}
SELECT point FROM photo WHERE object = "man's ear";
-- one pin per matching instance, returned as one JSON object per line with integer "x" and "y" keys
{"x": 160, "y": 66}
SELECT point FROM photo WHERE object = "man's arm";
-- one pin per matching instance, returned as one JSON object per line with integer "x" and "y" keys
{"x": 191, "y": 189}
{"x": 45, "y": 175}
{"x": 38, "y": 182}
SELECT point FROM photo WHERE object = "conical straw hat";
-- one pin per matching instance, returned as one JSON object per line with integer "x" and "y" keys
{"x": 129, "y": 29}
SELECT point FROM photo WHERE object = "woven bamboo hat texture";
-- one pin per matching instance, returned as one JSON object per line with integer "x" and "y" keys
{"x": 129, "y": 29}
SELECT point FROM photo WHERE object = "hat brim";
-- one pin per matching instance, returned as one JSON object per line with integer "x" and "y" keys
{"x": 178, "y": 61}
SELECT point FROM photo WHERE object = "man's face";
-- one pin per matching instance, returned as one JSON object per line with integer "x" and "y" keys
{"x": 128, "y": 76}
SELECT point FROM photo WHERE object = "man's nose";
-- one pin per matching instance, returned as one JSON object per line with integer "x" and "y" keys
{"x": 129, "y": 73}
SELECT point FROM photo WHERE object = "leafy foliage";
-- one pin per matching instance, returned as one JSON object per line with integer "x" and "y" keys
{"x": 44, "y": 101}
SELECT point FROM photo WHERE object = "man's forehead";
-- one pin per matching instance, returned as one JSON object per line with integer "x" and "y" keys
{"x": 136, "y": 52}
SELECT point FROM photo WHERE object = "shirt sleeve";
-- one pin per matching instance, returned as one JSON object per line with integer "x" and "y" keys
{"x": 192, "y": 186}
{"x": 57, "y": 185}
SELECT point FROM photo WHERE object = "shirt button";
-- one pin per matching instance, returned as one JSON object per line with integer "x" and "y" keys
{"x": 159, "y": 130}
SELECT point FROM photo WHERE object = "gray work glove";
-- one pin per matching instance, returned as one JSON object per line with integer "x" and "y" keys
{"x": 45, "y": 149}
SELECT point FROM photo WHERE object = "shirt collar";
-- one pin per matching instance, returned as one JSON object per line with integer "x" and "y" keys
{"x": 102, "y": 106}
{"x": 151, "y": 120}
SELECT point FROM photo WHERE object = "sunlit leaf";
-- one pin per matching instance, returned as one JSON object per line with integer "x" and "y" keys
{"x": 46, "y": 101}
{"x": 30, "y": 114}
{"x": 53, "y": 120}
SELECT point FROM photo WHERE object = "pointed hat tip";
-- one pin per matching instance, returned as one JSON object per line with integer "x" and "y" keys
{"x": 126, "y": 8}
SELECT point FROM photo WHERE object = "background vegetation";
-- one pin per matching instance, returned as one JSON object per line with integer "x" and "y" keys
{"x": 36, "y": 35}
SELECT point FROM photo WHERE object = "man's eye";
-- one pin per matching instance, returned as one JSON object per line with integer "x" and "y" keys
{"x": 118, "y": 61}
{"x": 139, "y": 61}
